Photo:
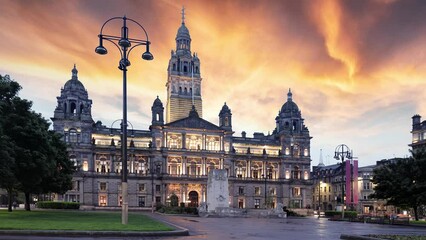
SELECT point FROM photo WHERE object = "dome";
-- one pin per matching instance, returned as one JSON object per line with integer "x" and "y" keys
{"x": 290, "y": 108}
{"x": 157, "y": 102}
{"x": 183, "y": 32}
{"x": 225, "y": 109}
{"x": 74, "y": 83}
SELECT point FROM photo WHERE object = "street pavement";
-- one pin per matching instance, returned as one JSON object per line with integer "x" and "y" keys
{"x": 259, "y": 229}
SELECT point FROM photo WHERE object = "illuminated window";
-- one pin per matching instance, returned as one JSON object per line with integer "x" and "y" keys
{"x": 306, "y": 152}
{"x": 85, "y": 166}
{"x": 306, "y": 175}
{"x": 296, "y": 191}
{"x": 257, "y": 191}
{"x": 102, "y": 200}
{"x": 213, "y": 143}
{"x": 240, "y": 171}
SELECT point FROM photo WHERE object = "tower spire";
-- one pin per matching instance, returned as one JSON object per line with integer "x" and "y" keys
{"x": 321, "y": 163}
{"x": 183, "y": 15}
{"x": 289, "y": 95}
{"x": 74, "y": 72}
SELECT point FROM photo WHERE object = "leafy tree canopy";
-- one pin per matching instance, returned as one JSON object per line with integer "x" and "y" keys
{"x": 402, "y": 183}
{"x": 32, "y": 158}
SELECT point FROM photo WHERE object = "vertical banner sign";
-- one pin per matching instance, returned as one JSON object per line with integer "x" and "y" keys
{"x": 355, "y": 186}
{"x": 348, "y": 189}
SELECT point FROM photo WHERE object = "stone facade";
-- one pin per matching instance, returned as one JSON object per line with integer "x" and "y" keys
{"x": 419, "y": 134}
{"x": 175, "y": 157}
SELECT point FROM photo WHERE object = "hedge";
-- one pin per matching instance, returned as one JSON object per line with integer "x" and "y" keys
{"x": 348, "y": 214}
{"x": 58, "y": 205}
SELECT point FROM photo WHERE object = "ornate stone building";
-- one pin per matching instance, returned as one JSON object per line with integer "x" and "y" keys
{"x": 419, "y": 134}
{"x": 174, "y": 157}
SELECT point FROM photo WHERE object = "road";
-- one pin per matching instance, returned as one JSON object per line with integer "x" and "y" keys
{"x": 261, "y": 228}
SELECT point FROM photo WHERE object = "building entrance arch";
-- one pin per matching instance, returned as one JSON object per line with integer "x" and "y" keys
{"x": 193, "y": 199}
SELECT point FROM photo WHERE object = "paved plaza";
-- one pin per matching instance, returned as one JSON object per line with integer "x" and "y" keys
{"x": 289, "y": 229}
{"x": 262, "y": 228}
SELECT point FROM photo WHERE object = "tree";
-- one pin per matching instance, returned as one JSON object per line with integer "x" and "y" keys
{"x": 34, "y": 160}
{"x": 402, "y": 183}
{"x": 8, "y": 92}
{"x": 59, "y": 179}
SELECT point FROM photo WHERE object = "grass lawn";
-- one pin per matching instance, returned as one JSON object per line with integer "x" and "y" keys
{"x": 77, "y": 220}
{"x": 418, "y": 222}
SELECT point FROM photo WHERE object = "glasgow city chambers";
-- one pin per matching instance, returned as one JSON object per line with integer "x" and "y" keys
{"x": 176, "y": 153}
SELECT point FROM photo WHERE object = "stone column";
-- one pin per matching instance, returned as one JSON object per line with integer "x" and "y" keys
{"x": 184, "y": 165}
{"x": 204, "y": 137}
{"x": 183, "y": 140}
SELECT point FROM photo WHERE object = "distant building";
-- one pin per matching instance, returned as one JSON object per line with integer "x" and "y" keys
{"x": 419, "y": 134}
{"x": 328, "y": 182}
{"x": 175, "y": 156}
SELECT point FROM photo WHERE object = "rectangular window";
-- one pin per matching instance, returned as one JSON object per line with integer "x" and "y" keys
{"x": 241, "y": 190}
{"x": 158, "y": 188}
{"x": 296, "y": 191}
{"x": 272, "y": 191}
{"x": 75, "y": 186}
{"x": 256, "y": 203}
{"x": 141, "y": 187}
{"x": 141, "y": 201}
{"x": 257, "y": 191}
{"x": 102, "y": 200}
{"x": 158, "y": 199}
{"x": 240, "y": 203}
{"x": 103, "y": 186}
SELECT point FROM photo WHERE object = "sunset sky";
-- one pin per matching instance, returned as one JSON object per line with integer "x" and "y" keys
{"x": 357, "y": 69}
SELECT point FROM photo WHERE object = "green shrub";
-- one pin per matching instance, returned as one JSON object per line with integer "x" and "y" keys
{"x": 58, "y": 205}
{"x": 348, "y": 214}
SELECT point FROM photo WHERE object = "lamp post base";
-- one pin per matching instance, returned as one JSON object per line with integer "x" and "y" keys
{"x": 125, "y": 204}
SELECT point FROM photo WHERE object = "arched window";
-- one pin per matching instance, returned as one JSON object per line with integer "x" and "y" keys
{"x": 270, "y": 172}
{"x": 197, "y": 70}
{"x": 81, "y": 108}
{"x": 73, "y": 135}
{"x": 240, "y": 171}
{"x": 185, "y": 91}
{"x": 255, "y": 172}
{"x": 226, "y": 121}
{"x": 174, "y": 66}
{"x": 185, "y": 68}
{"x": 65, "y": 107}
{"x": 180, "y": 89}
{"x": 193, "y": 169}
{"x": 73, "y": 107}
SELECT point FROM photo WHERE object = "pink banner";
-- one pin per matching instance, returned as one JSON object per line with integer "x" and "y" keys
{"x": 348, "y": 189}
{"x": 355, "y": 175}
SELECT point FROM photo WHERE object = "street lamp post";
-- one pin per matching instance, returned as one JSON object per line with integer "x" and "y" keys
{"x": 342, "y": 151}
{"x": 124, "y": 46}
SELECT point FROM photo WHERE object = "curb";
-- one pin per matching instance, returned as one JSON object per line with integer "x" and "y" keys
{"x": 180, "y": 232}
{"x": 357, "y": 237}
